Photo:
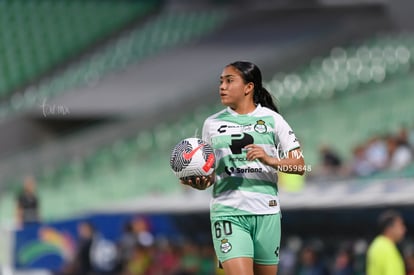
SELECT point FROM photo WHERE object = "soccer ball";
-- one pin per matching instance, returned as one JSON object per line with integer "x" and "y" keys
{"x": 192, "y": 157}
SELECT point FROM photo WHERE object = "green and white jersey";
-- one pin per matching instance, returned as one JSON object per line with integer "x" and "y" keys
{"x": 246, "y": 187}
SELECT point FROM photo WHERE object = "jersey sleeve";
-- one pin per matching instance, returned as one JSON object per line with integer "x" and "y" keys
{"x": 285, "y": 135}
{"x": 206, "y": 132}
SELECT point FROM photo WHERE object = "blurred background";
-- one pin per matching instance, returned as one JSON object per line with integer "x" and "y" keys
{"x": 95, "y": 94}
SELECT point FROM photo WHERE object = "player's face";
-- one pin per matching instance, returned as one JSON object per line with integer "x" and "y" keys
{"x": 232, "y": 87}
{"x": 398, "y": 229}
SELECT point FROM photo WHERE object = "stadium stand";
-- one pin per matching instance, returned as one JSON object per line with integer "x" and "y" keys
{"x": 143, "y": 159}
{"x": 163, "y": 31}
{"x": 166, "y": 30}
{"x": 372, "y": 60}
{"x": 37, "y": 37}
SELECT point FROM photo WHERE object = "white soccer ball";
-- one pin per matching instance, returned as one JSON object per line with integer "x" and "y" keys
{"x": 192, "y": 157}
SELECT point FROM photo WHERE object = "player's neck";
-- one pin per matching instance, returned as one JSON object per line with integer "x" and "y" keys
{"x": 244, "y": 108}
{"x": 389, "y": 237}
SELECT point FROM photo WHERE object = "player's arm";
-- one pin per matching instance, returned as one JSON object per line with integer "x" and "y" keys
{"x": 293, "y": 163}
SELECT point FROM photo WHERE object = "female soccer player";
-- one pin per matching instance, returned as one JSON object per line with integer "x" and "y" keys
{"x": 251, "y": 142}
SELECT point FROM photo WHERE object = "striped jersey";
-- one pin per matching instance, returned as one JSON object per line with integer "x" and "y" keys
{"x": 245, "y": 187}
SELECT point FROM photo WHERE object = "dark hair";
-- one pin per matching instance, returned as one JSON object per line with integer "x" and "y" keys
{"x": 251, "y": 73}
{"x": 386, "y": 219}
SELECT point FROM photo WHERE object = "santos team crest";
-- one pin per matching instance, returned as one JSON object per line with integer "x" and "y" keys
{"x": 225, "y": 246}
{"x": 260, "y": 127}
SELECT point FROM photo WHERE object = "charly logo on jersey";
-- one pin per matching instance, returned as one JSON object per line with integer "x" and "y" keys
{"x": 238, "y": 170}
{"x": 222, "y": 129}
{"x": 225, "y": 246}
{"x": 260, "y": 126}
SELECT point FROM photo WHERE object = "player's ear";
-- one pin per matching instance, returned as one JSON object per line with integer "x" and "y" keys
{"x": 248, "y": 88}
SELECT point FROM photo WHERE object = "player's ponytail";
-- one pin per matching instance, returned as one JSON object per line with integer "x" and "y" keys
{"x": 251, "y": 73}
{"x": 262, "y": 96}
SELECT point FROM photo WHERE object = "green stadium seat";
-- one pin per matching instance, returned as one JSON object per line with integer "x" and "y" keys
{"x": 167, "y": 30}
{"x": 345, "y": 69}
{"x": 37, "y": 35}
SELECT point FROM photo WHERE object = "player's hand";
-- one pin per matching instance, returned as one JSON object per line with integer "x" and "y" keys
{"x": 256, "y": 152}
{"x": 200, "y": 183}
